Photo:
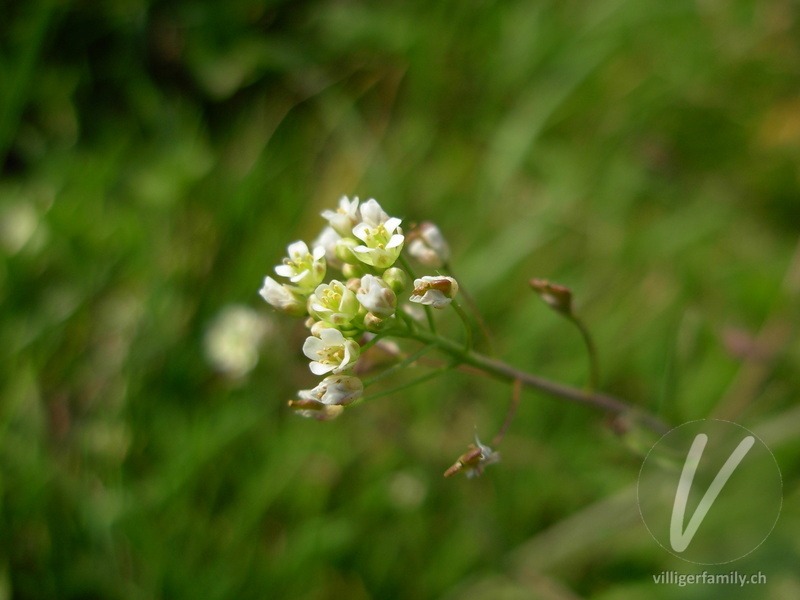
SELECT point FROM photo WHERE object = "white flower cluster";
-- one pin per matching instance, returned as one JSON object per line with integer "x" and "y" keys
{"x": 364, "y": 243}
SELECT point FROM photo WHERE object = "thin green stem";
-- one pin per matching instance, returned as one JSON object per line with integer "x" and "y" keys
{"x": 506, "y": 372}
{"x": 373, "y": 341}
{"x": 419, "y": 353}
{"x": 428, "y": 312}
{"x": 411, "y": 324}
{"x": 400, "y": 388}
{"x": 467, "y": 326}
{"x": 487, "y": 335}
{"x": 594, "y": 367}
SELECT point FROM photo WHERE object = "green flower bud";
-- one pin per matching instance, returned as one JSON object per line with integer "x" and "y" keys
{"x": 343, "y": 250}
{"x": 397, "y": 279}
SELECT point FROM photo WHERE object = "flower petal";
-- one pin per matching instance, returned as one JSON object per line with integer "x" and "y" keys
{"x": 395, "y": 241}
{"x": 318, "y": 368}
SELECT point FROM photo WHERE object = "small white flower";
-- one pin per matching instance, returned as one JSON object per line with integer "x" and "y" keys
{"x": 334, "y": 303}
{"x": 434, "y": 291}
{"x": 232, "y": 341}
{"x": 303, "y": 268}
{"x": 343, "y": 219}
{"x": 381, "y": 236}
{"x": 331, "y": 352}
{"x": 372, "y": 214}
{"x": 327, "y": 239}
{"x": 283, "y": 298}
{"x": 429, "y": 246}
{"x": 376, "y": 296}
{"x": 338, "y": 389}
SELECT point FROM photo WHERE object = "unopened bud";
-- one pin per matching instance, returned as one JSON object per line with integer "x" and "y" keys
{"x": 434, "y": 291}
{"x": 354, "y": 271}
{"x": 396, "y": 278}
{"x": 374, "y": 323}
{"x": 317, "y": 327}
{"x": 558, "y": 297}
{"x": 343, "y": 248}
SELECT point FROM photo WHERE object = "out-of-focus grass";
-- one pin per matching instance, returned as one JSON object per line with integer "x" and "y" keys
{"x": 159, "y": 156}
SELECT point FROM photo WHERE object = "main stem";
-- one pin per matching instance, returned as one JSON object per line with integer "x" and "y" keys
{"x": 506, "y": 372}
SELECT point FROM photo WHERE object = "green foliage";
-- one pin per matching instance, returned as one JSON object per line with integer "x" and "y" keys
{"x": 157, "y": 158}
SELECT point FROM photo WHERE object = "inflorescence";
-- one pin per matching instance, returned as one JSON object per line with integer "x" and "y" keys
{"x": 365, "y": 244}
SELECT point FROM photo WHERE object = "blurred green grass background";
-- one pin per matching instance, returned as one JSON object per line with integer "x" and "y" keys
{"x": 158, "y": 157}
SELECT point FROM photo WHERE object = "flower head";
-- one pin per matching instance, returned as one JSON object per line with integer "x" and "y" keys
{"x": 343, "y": 219}
{"x": 429, "y": 246}
{"x": 331, "y": 352}
{"x": 283, "y": 298}
{"x": 375, "y": 295}
{"x": 381, "y": 236}
{"x": 334, "y": 303}
{"x": 303, "y": 268}
{"x": 434, "y": 291}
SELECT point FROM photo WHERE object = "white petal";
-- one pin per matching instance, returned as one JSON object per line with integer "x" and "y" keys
{"x": 271, "y": 289}
{"x": 361, "y": 231}
{"x": 331, "y": 337}
{"x": 318, "y": 253}
{"x": 284, "y": 271}
{"x": 371, "y": 212}
{"x": 320, "y": 369}
{"x": 392, "y": 224}
{"x": 299, "y": 276}
{"x": 297, "y": 249}
{"x": 395, "y": 241}
{"x": 312, "y": 346}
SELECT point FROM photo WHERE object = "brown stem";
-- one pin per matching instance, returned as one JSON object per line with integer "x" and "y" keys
{"x": 504, "y": 371}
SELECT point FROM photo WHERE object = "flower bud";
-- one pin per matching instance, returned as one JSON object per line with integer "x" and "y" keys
{"x": 558, "y": 297}
{"x": 317, "y": 327}
{"x": 434, "y": 291}
{"x": 396, "y": 278}
{"x": 343, "y": 250}
{"x": 375, "y": 323}
{"x": 354, "y": 271}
